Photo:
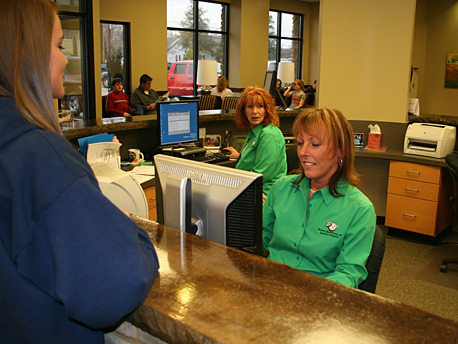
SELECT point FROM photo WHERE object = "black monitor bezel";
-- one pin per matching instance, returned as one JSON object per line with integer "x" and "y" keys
{"x": 273, "y": 82}
{"x": 158, "y": 123}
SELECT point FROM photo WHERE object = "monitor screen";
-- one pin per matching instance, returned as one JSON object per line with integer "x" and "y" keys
{"x": 225, "y": 203}
{"x": 270, "y": 82}
{"x": 177, "y": 122}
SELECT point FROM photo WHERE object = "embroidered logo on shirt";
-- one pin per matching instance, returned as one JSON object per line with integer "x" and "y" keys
{"x": 331, "y": 226}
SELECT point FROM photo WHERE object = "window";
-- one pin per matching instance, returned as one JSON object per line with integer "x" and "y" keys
{"x": 196, "y": 30}
{"x": 285, "y": 40}
{"x": 115, "y": 40}
{"x": 76, "y": 18}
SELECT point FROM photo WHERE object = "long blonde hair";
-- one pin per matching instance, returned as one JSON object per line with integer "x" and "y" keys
{"x": 333, "y": 124}
{"x": 26, "y": 28}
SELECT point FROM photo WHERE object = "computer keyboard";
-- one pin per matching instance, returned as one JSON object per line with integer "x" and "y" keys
{"x": 209, "y": 158}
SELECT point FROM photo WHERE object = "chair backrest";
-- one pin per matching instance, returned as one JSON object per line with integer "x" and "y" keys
{"x": 105, "y": 113}
{"x": 229, "y": 103}
{"x": 292, "y": 160}
{"x": 209, "y": 102}
{"x": 374, "y": 262}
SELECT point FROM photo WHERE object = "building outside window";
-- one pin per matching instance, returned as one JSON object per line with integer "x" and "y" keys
{"x": 285, "y": 40}
{"x": 196, "y": 30}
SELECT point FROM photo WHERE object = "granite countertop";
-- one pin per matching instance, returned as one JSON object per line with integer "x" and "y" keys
{"x": 109, "y": 125}
{"x": 209, "y": 293}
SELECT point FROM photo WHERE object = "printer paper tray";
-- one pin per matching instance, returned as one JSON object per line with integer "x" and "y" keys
{"x": 422, "y": 148}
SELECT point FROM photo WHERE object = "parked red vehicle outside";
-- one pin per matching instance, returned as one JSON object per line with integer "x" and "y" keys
{"x": 180, "y": 78}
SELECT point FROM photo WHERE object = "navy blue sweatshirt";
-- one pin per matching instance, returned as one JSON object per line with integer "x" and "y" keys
{"x": 71, "y": 262}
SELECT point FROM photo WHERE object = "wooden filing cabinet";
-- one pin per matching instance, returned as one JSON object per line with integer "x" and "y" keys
{"x": 419, "y": 198}
{"x": 150, "y": 194}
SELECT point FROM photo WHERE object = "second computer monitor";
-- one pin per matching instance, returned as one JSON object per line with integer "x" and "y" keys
{"x": 177, "y": 122}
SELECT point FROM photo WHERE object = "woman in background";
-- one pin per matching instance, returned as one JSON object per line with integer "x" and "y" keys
{"x": 297, "y": 95}
{"x": 72, "y": 263}
{"x": 221, "y": 88}
{"x": 319, "y": 221}
{"x": 264, "y": 148}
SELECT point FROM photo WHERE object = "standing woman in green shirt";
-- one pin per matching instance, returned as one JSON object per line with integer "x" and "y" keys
{"x": 264, "y": 148}
{"x": 319, "y": 221}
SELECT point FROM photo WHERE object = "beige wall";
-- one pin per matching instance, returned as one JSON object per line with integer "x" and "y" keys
{"x": 365, "y": 58}
{"x": 436, "y": 34}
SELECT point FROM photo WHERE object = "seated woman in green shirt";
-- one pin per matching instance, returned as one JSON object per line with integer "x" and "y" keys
{"x": 319, "y": 221}
{"x": 264, "y": 148}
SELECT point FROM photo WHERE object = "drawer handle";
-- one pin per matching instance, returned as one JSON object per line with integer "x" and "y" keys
{"x": 414, "y": 190}
{"x": 152, "y": 199}
{"x": 410, "y": 215}
{"x": 413, "y": 172}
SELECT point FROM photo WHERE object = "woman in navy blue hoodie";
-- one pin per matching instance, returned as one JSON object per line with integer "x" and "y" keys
{"x": 71, "y": 263}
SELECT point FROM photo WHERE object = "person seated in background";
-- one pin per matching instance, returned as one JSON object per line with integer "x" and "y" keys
{"x": 264, "y": 148}
{"x": 221, "y": 88}
{"x": 310, "y": 94}
{"x": 296, "y": 92}
{"x": 319, "y": 221}
{"x": 118, "y": 102}
{"x": 144, "y": 97}
{"x": 72, "y": 263}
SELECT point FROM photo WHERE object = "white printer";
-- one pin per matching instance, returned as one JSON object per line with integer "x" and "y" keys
{"x": 122, "y": 189}
{"x": 430, "y": 139}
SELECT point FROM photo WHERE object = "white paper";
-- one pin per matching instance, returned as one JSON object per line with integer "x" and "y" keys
{"x": 104, "y": 152}
{"x": 374, "y": 129}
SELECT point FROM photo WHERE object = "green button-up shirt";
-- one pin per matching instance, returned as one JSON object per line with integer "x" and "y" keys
{"x": 265, "y": 153}
{"x": 327, "y": 236}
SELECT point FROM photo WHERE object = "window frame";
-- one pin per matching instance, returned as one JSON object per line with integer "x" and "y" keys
{"x": 196, "y": 31}
{"x": 278, "y": 38}
{"x": 126, "y": 37}
{"x": 85, "y": 16}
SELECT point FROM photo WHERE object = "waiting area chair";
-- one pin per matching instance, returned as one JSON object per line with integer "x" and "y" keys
{"x": 452, "y": 162}
{"x": 209, "y": 102}
{"x": 229, "y": 103}
{"x": 374, "y": 262}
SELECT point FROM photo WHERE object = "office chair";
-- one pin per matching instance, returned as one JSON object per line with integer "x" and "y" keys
{"x": 374, "y": 262}
{"x": 209, "y": 102}
{"x": 292, "y": 160}
{"x": 229, "y": 103}
{"x": 452, "y": 163}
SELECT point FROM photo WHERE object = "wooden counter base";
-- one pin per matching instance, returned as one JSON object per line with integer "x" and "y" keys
{"x": 209, "y": 293}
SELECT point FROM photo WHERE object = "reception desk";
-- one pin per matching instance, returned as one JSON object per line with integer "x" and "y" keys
{"x": 209, "y": 293}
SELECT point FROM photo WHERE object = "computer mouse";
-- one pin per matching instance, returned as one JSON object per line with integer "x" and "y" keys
{"x": 226, "y": 151}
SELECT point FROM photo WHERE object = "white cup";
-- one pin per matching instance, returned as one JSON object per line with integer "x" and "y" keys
{"x": 135, "y": 156}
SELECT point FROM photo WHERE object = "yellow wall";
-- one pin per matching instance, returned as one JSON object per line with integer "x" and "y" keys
{"x": 365, "y": 58}
{"x": 148, "y": 20}
{"x": 436, "y": 34}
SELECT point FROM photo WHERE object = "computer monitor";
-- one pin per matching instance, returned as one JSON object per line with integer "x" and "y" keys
{"x": 270, "y": 82}
{"x": 177, "y": 122}
{"x": 226, "y": 203}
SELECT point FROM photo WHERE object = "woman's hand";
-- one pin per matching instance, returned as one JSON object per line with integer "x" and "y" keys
{"x": 234, "y": 153}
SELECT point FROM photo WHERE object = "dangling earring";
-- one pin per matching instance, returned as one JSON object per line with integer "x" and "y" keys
{"x": 340, "y": 161}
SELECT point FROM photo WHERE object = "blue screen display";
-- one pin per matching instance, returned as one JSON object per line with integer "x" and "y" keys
{"x": 178, "y": 122}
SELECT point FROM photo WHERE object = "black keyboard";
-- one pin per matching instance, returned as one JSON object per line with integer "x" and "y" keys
{"x": 209, "y": 158}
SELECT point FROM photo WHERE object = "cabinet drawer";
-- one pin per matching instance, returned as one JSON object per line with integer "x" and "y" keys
{"x": 150, "y": 194}
{"x": 413, "y": 188}
{"x": 408, "y": 170}
{"x": 411, "y": 214}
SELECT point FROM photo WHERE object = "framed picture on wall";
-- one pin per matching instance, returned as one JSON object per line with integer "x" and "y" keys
{"x": 451, "y": 70}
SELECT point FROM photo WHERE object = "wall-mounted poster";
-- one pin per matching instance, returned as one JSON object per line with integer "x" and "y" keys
{"x": 451, "y": 70}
